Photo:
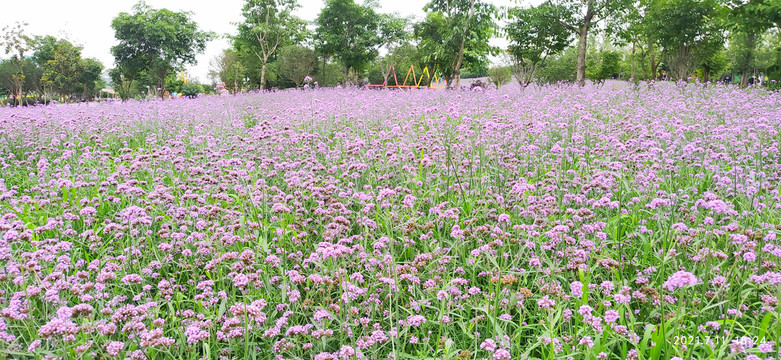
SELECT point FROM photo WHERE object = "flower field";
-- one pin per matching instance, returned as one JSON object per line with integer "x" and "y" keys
{"x": 553, "y": 223}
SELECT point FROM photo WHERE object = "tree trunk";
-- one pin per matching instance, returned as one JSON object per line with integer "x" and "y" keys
{"x": 750, "y": 42}
{"x": 263, "y": 76}
{"x": 653, "y": 59}
{"x": 705, "y": 74}
{"x": 161, "y": 78}
{"x": 581, "y": 67}
{"x": 457, "y": 67}
{"x": 346, "y": 76}
{"x": 387, "y": 73}
{"x": 633, "y": 62}
{"x": 162, "y": 89}
{"x": 460, "y": 59}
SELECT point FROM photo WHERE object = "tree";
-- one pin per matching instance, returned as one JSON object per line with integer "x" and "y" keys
{"x": 267, "y": 26}
{"x": 63, "y": 70}
{"x": 45, "y": 47}
{"x": 774, "y": 70}
{"x": 580, "y": 17}
{"x": 748, "y": 20}
{"x": 227, "y": 68}
{"x": 609, "y": 65}
{"x": 532, "y": 39}
{"x": 455, "y": 34}
{"x": 560, "y": 68}
{"x": 400, "y": 57}
{"x": 394, "y": 33}
{"x": 430, "y": 34}
{"x": 91, "y": 78}
{"x": 155, "y": 41}
{"x": 500, "y": 75}
{"x": 297, "y": 62}
{"x": 349, "y": 32}
{"x": 766, "y": 51}
{"x": 629, "y": 27}
{"x": 714, "y": 64}
{"x": 14, "y": 41}
{"x": 8, "y": 82}
{"x": 688, "y": 32}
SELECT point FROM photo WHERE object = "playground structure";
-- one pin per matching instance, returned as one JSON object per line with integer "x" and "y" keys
{"x": 435, "y": 82}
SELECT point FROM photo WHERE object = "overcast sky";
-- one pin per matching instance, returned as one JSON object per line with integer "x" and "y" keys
{"x": 88, "y": 22}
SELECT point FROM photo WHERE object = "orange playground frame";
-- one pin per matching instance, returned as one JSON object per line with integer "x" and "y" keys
{"x": 435, "y": 82}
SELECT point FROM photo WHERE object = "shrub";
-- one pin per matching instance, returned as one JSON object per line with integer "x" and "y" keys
{"x": 192, "y": 90}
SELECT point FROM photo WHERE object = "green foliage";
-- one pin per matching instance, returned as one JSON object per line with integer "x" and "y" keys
{"x": 16, "y": 42}
{"x": 393, "y": 30}
{"x": 329, "y": 74}
{"x": 629, "y": 29}
{"x": 297, "y": 62}
{"x": 747, "y": 21}
{"x": 430, "y": 34}
{"x": 765, "y": 55}
{"x": 752, "y": 16}
{"x": 475, "y": 70}
{"x": 57, "y": 65}
{"x": 229, "y": 69}
{"x": 774, "y": 71}
{"x": 191, "y": 90}
{"x": 91, "y": 78}
{"x": 500, "y": 75}
{"x": 609, "y": 65}
{"x": 252, "y": 69}
{"x": 376, "y": 76}
{"x": 579, "y": 17}
{"x": 155, "y": 41}
{"x": 687, "y": 30}
{"x": 401, "y": 58}
{"x": 63, "y": 71}
{"x": 395, "y": 34}
{"x": 560, "y": 68}
{"x": 455, "y": 34}
{"x": 45, "y": 47}
{"x": 9, "y": 68}
{"x": 174, "y": 83}
{"x": 713, "y": 66}
{"x": 350, "y": 33}
{"x": 533, "y": 37}
{"x": 268, "y": 25}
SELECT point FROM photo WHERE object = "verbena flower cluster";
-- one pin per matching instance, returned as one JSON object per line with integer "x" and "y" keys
{"x": 555, "y": 222}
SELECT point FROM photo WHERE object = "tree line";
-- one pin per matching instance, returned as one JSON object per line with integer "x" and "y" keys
{"x": 354, "y": 43}
{"x": 558, "y": 40}
{"x": 42, "y": 68}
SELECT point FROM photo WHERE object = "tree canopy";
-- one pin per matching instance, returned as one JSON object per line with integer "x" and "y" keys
{"x": 456, "y": 33}
{"x": 268, "y": 25}
{"x": 155, "y": 41}
{"x": 349, "y": 32}
{"x": 533, "y": 37}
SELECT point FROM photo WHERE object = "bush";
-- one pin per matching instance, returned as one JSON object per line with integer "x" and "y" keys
{"x": 774, "y": 72}
{"x": 376, "y": 76}
{"x": 192, "y": 90}
{"x": 561, "y": 68}
{"x": 500, "y": 75}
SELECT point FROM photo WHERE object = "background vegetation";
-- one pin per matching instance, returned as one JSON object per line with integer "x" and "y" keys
{"x": 353, "y": 43}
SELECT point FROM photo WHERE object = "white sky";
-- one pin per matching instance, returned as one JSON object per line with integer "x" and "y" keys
{"x": 88, "y": 22}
